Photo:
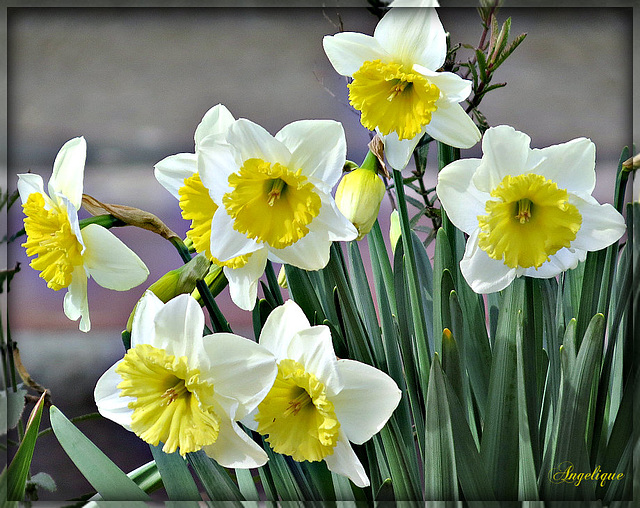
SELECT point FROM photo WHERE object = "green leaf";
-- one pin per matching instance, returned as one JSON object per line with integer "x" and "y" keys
{"x": 482, "y": 64}
{"x": 272, "y": 279}
{"x": 500, "y": 440}
{"x": 472, "y": 474}
{"x": 451, "y": 360}
{"x": 590, "y": 291}
{"x": 302, "y": 293}
{"x": 440, "y": 474}
{"x": 620, "y": 438}
{"x": 382, "y": 272}
{"x": 573, "y": 415}
{"x": 342, "y": 488}
{"x": 415, "y": 294}
{"x": 175, "y": 474}
{"x": 147, "y": 477}
{"x": 512, "y": 47}
{"x": 107, "y": 478}
{"x": 364, "y": 304}
{"x": 443, "y": 261}
{"x": 214, "y": 478}
{"x": 18, "y": 470}
{"x": 527, "y": 423}
{"x": 247, "y": 484}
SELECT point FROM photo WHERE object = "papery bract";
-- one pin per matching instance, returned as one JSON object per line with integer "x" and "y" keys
{"x": 182, "y": 389}
{"x": 396, "y": 85}
{"x": 527, "y": 211}
{"x": 319, "y": 404}
{"x": 66, "y": 254}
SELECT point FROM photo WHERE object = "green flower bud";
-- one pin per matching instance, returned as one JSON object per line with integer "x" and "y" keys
{"x": 178, "y": 281}
{"x": 359, "y": 195}
{"x": 394, "y": 229}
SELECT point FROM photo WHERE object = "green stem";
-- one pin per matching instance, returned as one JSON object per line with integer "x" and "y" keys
{"x": 218, "y": 321}
{"x": 106, "y": 221}
{"x": 81, "y": 418}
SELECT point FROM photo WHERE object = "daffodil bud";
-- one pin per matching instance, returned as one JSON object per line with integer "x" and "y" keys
{"x": 359, "y": 195}
{"x": 178, "y": 281}
{"x": 282, "y": 278}
{"x": 394, "y": 229}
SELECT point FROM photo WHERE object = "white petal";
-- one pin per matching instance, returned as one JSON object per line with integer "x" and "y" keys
{"x": 216, "y": 162}
{"x": 347, "y": 51}
{"x": 109, "y": 261}
{"x": 482, "y": 273}
{"x": 505, "y": 152}
{"x": 571, "y": 165}
{"x": 234, "y": 448}
{"x": 311, "y": 252}
{"x": 107, "y": 396}
{"x": 413, "y": 36}
{"x": 563, "y": 260}
{"x": 281, "y": 326}
{"x": 601, "y": 224}
{"x": 28, "y": 183}
{"x": 459, "y": 197}
{"x": 240, "y": 369}
{"x": 172, "y": 171}
{"x": 366, "y": 402}
{"x": 345, "y": 462}
{"x": 243, "y": 282}
{"x": 143, "y": 328}
{"x": 399, "y": 151}
{"x": 251, "y": 141}
{"x": 452, "y": 86}
{"x": 318, "y": 147}
{"x": 451, "y": 125}
{"x": 313, "y": 349}
{"x": 226, "y": 242}
{"x": 76, "y": 304}
{"x": 216, "y": 121}
{"x": 330, "y": 220}
{"x": 68, "y": 171}
{"x": 178, "y": 329}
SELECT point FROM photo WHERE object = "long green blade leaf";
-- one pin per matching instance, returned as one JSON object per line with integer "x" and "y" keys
{"x": 18, "y": 470}
{"x": 176, "y": 477}
{"x": 107, "y": 478}
{"x": 440, "y": 474}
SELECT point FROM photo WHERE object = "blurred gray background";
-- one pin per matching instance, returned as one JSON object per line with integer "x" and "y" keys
{"x": 136, "y": 82}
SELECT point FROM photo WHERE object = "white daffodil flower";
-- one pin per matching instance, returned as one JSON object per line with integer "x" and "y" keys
{"x": 179, "y": 175}
{"x": 66, "y": 254}
{"x": 187, "y": 391}
{"x": 527, "y": 211}
{"x": 273, "y": 198}
{"x": 319, "y": 404}
{"x": 396, "y": 86}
